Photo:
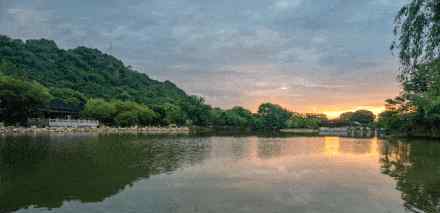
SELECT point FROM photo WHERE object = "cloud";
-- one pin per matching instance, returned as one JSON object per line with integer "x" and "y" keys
{"x": 285, "y": 4}
{"x": 232, "y": 52}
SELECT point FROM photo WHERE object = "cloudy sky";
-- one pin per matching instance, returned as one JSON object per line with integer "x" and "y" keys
{"x": 307, "y": 55}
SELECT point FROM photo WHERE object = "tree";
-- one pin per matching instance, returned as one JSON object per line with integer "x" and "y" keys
{"x": 146, "y": 116}
{"x": 127, "y": 118}
{"x": 130, "y": 113}
{"x": 218, "y": 117}
{"x": 272, "y": 117}
{"x": 239, "y": 117}
{"x": 346, "y": 116}
{"x": 197, "y": 111}
{"x": 417, "y": 27}
{"x": 169, "y": 114}
{"x": 119, "y": 113}
{"x": 360, "y": 116}
{"x": 19, "y": 98}
{"x": 124, "y": 106}
{"x": 69, "y": 97}
{"x": 363, "y": 117}
{"x": 101, "y": 110}
{"x": 390, "y": 120}
{"x": 299, "y": 121}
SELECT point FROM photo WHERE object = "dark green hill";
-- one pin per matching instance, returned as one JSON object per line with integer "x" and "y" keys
{"x": 88, "y": 71}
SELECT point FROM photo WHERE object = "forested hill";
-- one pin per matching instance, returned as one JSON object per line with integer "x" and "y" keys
{"x": 88, "y": 71}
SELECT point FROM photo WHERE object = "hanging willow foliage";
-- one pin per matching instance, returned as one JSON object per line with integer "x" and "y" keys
{"x": 417, "y": 30}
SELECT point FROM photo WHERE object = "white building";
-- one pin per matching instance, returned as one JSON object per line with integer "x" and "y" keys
{"x": 73, "y": 123}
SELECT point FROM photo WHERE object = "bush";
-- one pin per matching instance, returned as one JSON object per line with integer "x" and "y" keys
{"x": 127, "y": 119}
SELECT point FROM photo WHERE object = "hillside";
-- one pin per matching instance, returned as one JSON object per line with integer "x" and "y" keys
{"x": 88, "y": 71}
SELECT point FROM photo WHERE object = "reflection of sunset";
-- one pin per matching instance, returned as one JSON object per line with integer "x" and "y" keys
{"x": 283, "y": 155}
{"x": 337, "y": 146}
{"x": 296, "y": 170}
{"x": 374, "y": 148}
{"x": 331, "y": 145}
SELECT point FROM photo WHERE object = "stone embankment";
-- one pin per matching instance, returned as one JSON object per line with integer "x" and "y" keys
{"x": 104, "y": 130}
{"x": 300, "y": 131}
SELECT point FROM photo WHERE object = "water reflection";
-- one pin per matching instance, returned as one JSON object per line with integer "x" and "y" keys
{"x": 45, "y": 171}
{"x": 415, "y": 165}
{"x": 122, "y": 173}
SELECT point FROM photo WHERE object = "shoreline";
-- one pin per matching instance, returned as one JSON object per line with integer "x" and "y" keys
{"x": 102, "y": 130}
{"x": 300, "y": 131}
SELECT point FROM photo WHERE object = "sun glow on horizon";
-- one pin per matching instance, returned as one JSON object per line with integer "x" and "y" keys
{"x": 336, "y": 113}
{"x": 331, "y": 112}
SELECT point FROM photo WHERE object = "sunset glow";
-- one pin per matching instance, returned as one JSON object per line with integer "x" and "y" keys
{"x": 335, "y": 114}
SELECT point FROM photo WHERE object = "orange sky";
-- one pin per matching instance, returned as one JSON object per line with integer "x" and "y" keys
{"x": 333, "y": 110}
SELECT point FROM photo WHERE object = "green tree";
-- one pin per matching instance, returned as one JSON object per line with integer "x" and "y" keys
{"x": 119, "y": 113}
{"x": 363, "y": 117}
{"x": 146, "y": 116}
{"x": 296, "y": 121}
{"x": 68, "y": 96}
{"x": 197, "y": 111}
{"x": 174, "y": 114}
{"x": 239, "y": 117}
{"x": 124, "y": 106}
{"x": 390, "y": 120}
{"x": 272, "y": 117}
{"x": 127, "y": 118}
{"x": 218, "y": 117}
{"x": 130, "y": 113}
{"x": 346, "y": 116}
{"x": 19, "y": 98}
{"x": 169, "y": 114}
{"x": 101, "y": 110}
{"x": 360, "y": 116}
{"x": 417, "y": 27}
{"x": 300, "y": 121}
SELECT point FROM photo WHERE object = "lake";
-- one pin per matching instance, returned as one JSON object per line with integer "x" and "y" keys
{"x": 135, "y": 173}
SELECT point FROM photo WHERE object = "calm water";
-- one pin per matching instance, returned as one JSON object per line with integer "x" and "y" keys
{"x": 217, "y": 174}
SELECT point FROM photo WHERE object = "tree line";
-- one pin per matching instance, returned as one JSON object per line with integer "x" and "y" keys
{"x": 21, "y": 99}
{"x": 416, "y": 111}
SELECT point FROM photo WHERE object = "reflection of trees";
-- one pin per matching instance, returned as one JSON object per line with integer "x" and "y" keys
{"x": 416, "y": 167}
{"x": 355, "y": 146}
{"x": 44, "y": 171}
{"x": 238, "y": 148}
{"x": 269, "y": 148}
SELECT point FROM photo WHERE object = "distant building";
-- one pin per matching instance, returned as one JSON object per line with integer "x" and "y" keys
{"x": 59, "y": 114}
{"x": 59, "y": 109}
{"x": 73, "y": 123}
{"x": 352, "y": 131}
{"x": 319, "y": 116}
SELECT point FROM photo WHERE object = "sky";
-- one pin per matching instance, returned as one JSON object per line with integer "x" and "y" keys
{"x": 306, "y": 55}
